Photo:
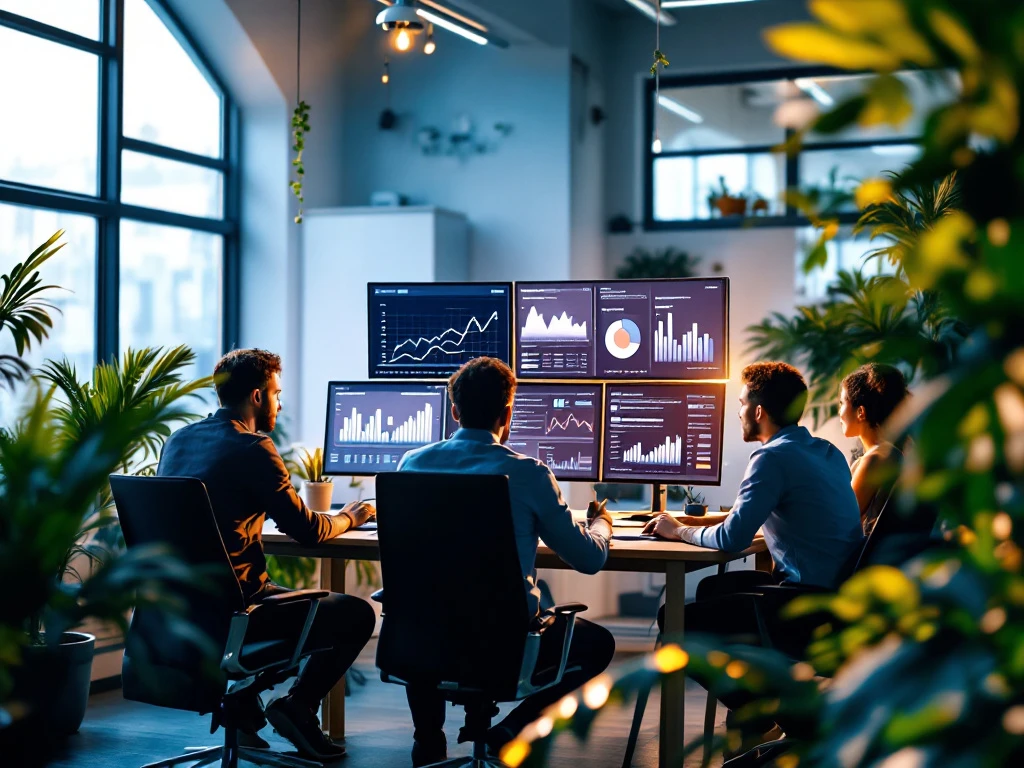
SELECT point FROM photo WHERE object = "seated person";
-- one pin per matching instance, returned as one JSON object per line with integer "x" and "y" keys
{"x": 867, "y": 399}
{"x": 247, "y": 482}
{"x": 481, "y": 393}
{"x": 797, "y": 488}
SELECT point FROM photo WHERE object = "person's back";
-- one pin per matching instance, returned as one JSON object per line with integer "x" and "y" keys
{"x": 482, "y": 393}
{"x": 815, "y": 525}
{"x": 538, "y": 510}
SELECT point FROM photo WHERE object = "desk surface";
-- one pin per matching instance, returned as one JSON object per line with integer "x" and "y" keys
{"x": 623, "y": 555}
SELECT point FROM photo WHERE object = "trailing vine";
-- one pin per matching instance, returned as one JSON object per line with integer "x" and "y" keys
{"x": 300, "y": 127}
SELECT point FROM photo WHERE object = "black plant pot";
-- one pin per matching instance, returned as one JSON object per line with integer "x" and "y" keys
{"x": 54, "y": 681}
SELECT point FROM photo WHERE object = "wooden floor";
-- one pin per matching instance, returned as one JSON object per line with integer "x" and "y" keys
{"x": 121, "y": 734}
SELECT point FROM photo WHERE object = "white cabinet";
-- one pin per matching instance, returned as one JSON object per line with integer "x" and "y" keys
{"x": 343, "y": 249}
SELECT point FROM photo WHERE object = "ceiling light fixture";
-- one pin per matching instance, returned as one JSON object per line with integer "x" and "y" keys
{"x": 401, "y": 15}
{"x": 430, "y": 46}
{"x": 695, "y": 3}
{"x": 815, "y": 91}
{"x": 403, "y": 40}
{"x": 452, "y": 27}
{"x": 647, "y": 9}
{"x": 680, "y": 109}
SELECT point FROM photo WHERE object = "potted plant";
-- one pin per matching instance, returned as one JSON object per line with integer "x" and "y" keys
{"x": 695, "y": 506}
{"x": 726, "y": 203}
{"x": 319, "y": 489}
{"x": 665, "y": 262}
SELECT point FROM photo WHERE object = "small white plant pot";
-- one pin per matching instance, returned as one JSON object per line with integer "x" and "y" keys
{"x": 319, "y": 495}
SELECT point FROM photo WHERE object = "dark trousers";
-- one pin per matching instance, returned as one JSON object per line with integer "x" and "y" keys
{"x": 342, "y": 626}
{"x": 723, "y": 606}
{"x": 590, "y": 653}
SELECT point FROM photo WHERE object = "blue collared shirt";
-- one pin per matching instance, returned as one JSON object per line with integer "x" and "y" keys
{"x": 797, "y": 488}
{"x": 538, "y": 510}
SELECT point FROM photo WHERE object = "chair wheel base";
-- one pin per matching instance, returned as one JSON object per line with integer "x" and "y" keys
{"x": 210, "y": 755}
{"x": 470, "y": 762}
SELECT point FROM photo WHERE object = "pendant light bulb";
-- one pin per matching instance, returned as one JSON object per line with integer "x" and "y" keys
{"x": 656, "y": 146}
{"x": 430, "y": 46}
{"x": 386, "y": 77}
{"x": 403, "y": 40}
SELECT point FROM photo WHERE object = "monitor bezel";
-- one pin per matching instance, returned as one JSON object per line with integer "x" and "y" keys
{"x": 616, "y": 379}
{"x": 599, "y": 419}
{"x": 413, "y": 376}
{"x": 377, "y": 382}
{"x": 716, "y": 481}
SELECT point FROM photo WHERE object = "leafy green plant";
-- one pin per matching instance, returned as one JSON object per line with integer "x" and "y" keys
{"x": 659, "y": 61}
{"x": 692, "y": 496}
{"x": 300, "y": 127}
{"x": 313, "y": 466}
{"x": 665, "y": 262}
{"x": 142, "y": 380}
{"x": 23, "y": 310}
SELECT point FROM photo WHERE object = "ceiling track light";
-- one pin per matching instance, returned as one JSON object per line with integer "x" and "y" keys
{"x": 437, "y": 14}
{"x": 401, "y": 16}
{"x": 430, "y": 46}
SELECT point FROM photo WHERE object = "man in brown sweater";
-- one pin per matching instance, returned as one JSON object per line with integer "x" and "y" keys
{"x": 231, "y": 452}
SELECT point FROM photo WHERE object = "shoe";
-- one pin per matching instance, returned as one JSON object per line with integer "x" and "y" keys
{"x": 428, "y": 754}
{"x": 252, "y": 740}
{"x": 297, "y": 723}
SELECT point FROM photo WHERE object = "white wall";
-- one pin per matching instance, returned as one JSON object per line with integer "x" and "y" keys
{"x": 517, "y": 198}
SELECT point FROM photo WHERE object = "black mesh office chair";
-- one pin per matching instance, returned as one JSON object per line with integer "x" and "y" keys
{"x": 164, "y": 669}
{"x": 455, "y": 612}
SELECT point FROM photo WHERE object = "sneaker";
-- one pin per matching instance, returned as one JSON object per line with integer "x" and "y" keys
{"x": 297, "y": 723}
{"x": 428, "y": 754}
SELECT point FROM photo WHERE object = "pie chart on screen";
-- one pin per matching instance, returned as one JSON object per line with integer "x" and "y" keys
{"x": 622, "y": 338}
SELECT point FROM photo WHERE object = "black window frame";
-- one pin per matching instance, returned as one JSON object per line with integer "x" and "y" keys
{"x": 791, "y": 218}
{"x": 106, "y": 206}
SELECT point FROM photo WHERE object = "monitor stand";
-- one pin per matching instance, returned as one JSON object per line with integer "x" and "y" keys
{"x": 659, "y": 498}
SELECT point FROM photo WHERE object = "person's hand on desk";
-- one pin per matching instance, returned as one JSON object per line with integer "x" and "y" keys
{"x": 596, "y": 511}
{"x": 357, "y": 512}
{"x": 665, "y": 527}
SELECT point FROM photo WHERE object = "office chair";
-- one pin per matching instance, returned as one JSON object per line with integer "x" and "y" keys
{"x": 166, "y": 670}
{"x": 894, "y": 539}
{"x": 459, "y": 622}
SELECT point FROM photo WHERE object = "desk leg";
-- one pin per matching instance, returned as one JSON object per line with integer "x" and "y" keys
{"x": 672, "y": 738}
{"x": 332, "y": 711}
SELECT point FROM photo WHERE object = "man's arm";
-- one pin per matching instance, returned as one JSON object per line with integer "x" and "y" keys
{"x": 584, "y": 548}
{"x": 759, "y": 494}
{"x": 271, "y": 485}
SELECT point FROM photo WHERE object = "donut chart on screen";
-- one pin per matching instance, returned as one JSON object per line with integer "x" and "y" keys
{"x": 622, "y": 339}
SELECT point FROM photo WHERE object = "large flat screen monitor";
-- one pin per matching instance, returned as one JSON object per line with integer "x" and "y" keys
{"x": 372, "y": 425}
{"x": 559, "y": 424}
{"x": 428, "y": 330}
{"x": 663, "y": 433}
{"x": 623, "y": 329}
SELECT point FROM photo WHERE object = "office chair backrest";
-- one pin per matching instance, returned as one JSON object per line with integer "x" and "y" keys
{"x": 161, "y": 667}
{"x": 455, "y": 605}
{"x": 899, "y": 534}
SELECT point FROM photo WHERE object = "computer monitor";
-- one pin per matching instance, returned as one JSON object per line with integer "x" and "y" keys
{"x": 428, "y": 330}
{"x": 663, "y": 433}
{"x": 372, "y": 425}
{"x": 623, "y": 329}
{"x": 559, "y": 424}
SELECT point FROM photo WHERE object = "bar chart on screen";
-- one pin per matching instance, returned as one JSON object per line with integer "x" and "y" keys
{"x": 669, "y": 453}
{"x": 691, "y": 347}
{"x": 380, "y": 428}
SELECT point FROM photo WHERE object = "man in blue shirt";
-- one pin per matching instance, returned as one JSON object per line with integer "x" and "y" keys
{"x": 481, "y": 393}
{"x": 796, "y": 488}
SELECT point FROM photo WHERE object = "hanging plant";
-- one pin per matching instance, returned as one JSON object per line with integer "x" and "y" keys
{"x": 300, "y": 127}
{"x": 659, "y": 61}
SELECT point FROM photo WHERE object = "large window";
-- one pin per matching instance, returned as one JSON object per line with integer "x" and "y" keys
{"x": 119, "y": 133}
{"x": 720, "y": 162}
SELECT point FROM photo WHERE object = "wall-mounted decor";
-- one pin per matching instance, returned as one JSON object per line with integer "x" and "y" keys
{"x": 463, "y": 140}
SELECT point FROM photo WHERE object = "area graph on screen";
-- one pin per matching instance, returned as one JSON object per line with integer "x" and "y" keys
{"x": 562, "y": 327}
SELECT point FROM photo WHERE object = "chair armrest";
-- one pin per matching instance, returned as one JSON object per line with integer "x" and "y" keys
{"x": 378, "y": 596}
{"x": 291, "y": 597}
{"x": 570, "y": 608}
